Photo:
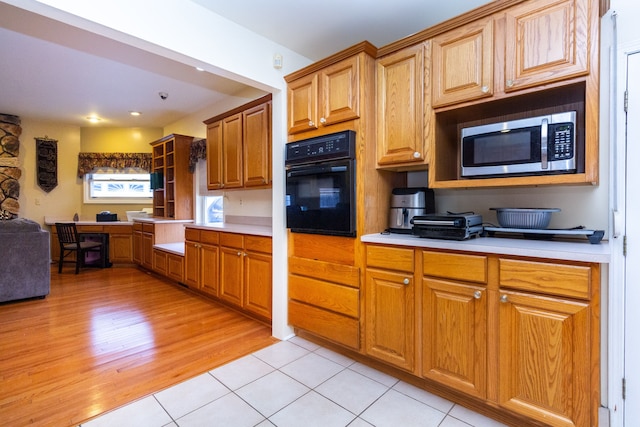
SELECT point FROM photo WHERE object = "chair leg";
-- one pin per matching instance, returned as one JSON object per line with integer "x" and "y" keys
{"x": 60, "y": 262}
{"x": 79, "y": 256}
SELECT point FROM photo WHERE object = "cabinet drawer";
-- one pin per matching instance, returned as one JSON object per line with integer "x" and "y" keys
{"x": 90, "y": 229}
{"x": 118, "y": 229}
{"x": 137, "y": 226}
{"x": 470, "y": 268}
{"x": 556, "y": 279}
{"x": 148, "y": 228}
{"x": 330, "y": 296}
{"x": 341, "y": 329}
{"x": 257, "y": 244}
{"x": 389, "y": 258}
{"x": 231, "y": 240}
{"x": 210, "y": 237}
{"x": 192, "y": 234}
{"x": 330, "y": 272}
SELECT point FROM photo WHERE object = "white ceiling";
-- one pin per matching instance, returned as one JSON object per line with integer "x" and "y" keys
{"x": 52, "y": 71}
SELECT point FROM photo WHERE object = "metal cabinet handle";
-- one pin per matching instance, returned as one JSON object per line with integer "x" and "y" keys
{"x": 311, "y": 124}
{"x": 509, "y": 83}
{"x": 416, "y": 155}
{"x": 504, "y": 298}
{"x": 477, "y": 294}
{"x": 405, "y": 281}
{"x": 485, "y": 89}
{"x": 239, "y": 253}
{"x": 323, "y": 120}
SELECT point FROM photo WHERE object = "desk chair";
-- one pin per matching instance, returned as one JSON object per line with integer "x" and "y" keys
{"x": 71, "y": 244}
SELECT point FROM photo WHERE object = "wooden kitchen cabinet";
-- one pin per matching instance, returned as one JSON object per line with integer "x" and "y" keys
{"x": 545, "y": 41}
{"x": 201, "y": 260}
{"x": 137, "y": 243}
{"x": 401, "y": 105}
{"x": 548, "y": 341}
{"x": 454, "y": 321}
{"x": 327, "y": 97}
{"x": 239, "y": 147}
{"x": 170, "y": 158}
{"x": 462, "y": 63}
{"x": 256, "y": 148}
{"x": 324, "y": 288}
{"x": 245, "y": 272}
{"x": 390, "y": 299}
{"x": 120, "y": 243}
{"x": 148, "y": 234}
{"x": 168, "y": 264}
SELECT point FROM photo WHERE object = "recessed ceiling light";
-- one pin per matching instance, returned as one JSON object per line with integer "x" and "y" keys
{"x": 94, "y": 119}
{"x": 135, "y": 113}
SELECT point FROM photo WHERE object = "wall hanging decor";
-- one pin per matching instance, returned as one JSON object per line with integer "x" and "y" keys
{"x": 47, "y": 163}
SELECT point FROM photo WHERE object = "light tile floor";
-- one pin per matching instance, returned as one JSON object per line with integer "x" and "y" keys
{"x": 293, "y": 383}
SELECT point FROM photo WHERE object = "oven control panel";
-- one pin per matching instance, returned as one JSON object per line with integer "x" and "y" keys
{"x": 339, "y": 145}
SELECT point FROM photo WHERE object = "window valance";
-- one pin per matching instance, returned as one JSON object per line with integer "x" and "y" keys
{"x": 89, "y": 161}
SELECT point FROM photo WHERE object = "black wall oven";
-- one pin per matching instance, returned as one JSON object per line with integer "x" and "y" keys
{"x": 321, "y": 186}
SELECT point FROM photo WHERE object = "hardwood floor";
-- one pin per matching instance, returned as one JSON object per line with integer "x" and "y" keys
{"x": 106, "y": 337}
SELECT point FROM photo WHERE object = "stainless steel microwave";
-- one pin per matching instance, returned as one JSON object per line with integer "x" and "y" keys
{"x": 533, "y": 146}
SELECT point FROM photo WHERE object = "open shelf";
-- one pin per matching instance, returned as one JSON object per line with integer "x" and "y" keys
{"x": 445, "y": 167}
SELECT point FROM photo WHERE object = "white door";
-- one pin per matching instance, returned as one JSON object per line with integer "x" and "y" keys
{"x": 632, "y": 223}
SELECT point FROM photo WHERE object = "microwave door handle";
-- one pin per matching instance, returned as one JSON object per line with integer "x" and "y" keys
{"x": 544, "y": 138}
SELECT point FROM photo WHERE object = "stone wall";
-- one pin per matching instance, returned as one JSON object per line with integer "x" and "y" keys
{"x": 10, "y": 172}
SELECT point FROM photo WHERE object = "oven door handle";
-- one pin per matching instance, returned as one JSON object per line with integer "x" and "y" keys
{"x": 315, "y": 170}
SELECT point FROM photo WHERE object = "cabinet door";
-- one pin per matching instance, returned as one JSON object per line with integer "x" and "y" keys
{"x": 340, "y": 92}
{"x": 546, "y": 41}
{"x": 231, "y": 284}
{"x": 137, "y": 247}
{"x": 257, "y": 279}
{"x": 462, "y": 64}
{"x": 192, "y": 264}
{"x": 544, "y": 358}
{"x": 389, "y": 306}
{"x": 175, "y": 267}
{"x": 147, "y": 250}
{"x": 209, "y": 268}
{"x": 160, "y": 261}
{"x": 232, "y": 151}
{"x": 400, "y": 106}
{"x": 214, "y": 156}
{"x": 256, "y": 124}
{"x": 120, "y": 248}
{"x": 302, "y": 104}
{"x": 454, "y": 339}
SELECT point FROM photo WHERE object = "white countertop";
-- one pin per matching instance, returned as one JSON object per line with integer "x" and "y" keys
{"x": 256, "y": 230}
{"x": 174, "y": 248}
{"x": 570, "y": 251}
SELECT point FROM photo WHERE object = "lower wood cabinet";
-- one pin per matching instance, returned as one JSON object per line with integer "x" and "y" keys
{"x": 168, "y": 264}
{"x": 121, "y": 238}
{"x": 454, "y": 320}
{"x": 236, "y": 268}
{"x": 521, "y": 334}
{"x": 548, "y": 343}
{"x": 201, "y": 260}
{"x": 390, "y": 306}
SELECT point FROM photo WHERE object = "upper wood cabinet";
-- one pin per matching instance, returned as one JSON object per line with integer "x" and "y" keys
{"x": 170, "y": 156}
{"x": 462, "y": 63}
{"x": 256, "y": 147}
{"x": 400, "y": 106}
{"x": 545, "y": 41}
{"x": 324, "y": 98}
{"x": 239, "y": 147}
{"x": 535, "y": 43}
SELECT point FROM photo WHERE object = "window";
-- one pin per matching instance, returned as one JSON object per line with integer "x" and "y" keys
{"x": 213, "y": 209}
{"x": 121, "y": 187}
